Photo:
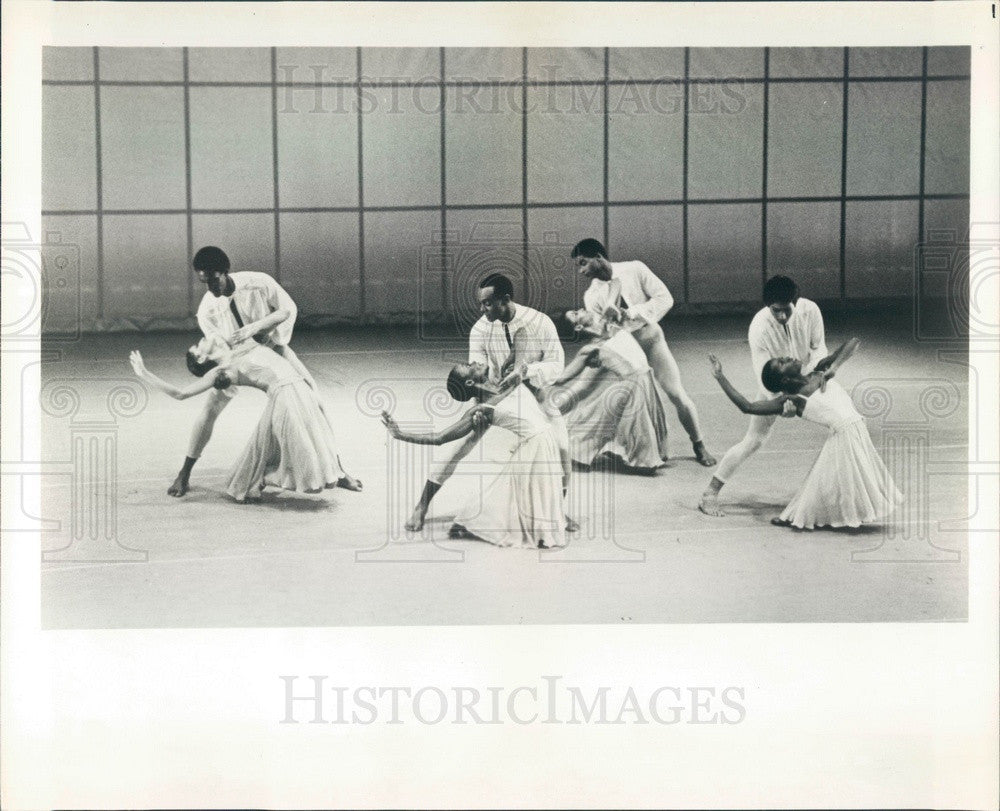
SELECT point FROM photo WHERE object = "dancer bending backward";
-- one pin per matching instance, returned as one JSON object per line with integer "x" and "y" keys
{"x": 236, "y": 306}
{"x": 522, "y": 504}
{"x": 293, "y": 446}
{"x": 611, "y": 402}
{"x": 491, "y": 347}
{"x": 638, "y": 302}
{"x": 787, "y": 326}
{"x": 848, "y": 484}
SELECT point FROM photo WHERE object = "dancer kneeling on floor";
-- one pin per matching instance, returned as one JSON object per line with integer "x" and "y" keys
{"x": 848, "y": 484}
{"x": 522, "y": 504}
{"x": 293, "y": 446}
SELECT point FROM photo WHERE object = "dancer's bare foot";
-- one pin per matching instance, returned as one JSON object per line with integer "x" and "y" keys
{"x": 571, "y": 525}
{"x": 179, "y": 487}
{"x": 416, "y": 522}
{"x": 709, "y": 505}
{"x": 349, "y": 483}
{"x": 702, "y": 455}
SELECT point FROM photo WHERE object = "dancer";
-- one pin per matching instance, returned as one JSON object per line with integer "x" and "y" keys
{"x": 491, "y": 344}
{"x": 522, "y": 504}
{"x": 237, "y": 306}
{"x": 787, "y": 326}
{"x": 293, "y": 446}
{"x": 612, "y": 404}
{"x": 848, "y": 484}
{"x": 629, "y": 293}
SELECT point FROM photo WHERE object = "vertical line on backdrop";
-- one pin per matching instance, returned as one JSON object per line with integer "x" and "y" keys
{"x": 524, "y": 171}
{"x": 607, "y": 147}
{"x": 923, "y": 146}
{"x": 187, "y": 181}
{"x": 843, "y": 177}
{"x": 361, "y": 197}
{"x": 100, "y": 184}
{"x": 444, "y": 193}
{"x": 763, "y": 190}
{"x": 274, "y": 162}
{"x": 684, "y": 178}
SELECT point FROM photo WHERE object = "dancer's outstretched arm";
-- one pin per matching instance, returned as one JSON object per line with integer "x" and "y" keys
{"x": 774, "y": 406}
{"x": 202, "y": 385}
{"x": 458, "y": 430}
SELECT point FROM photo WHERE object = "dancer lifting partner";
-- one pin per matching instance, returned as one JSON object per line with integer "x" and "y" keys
{"x": 787, "y": 326}
{"x": 236, "y": 307}
{"x": 630, "y": 294}
{"x": 491, "y": 347}
{"x": 848, "y": 484}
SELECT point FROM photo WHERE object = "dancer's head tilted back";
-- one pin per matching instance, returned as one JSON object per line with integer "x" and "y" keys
{"x": 212, "y": 266}
{"x": 585, "y": 321}
{"x": 782, "y": 375}
{"x": 465, "y": 381}
{"x": 496, "y": 294}
{"x": 591, "y": 258}
{"x": 206, "y": 355}
{"x": 780, "y": 296}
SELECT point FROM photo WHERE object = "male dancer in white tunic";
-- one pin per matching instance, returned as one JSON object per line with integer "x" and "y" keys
{"x": 787, "y": 326}
{"x": 491, "y": 345}
{"x": 630, "y": 294}
{"x": 236, "y": 307}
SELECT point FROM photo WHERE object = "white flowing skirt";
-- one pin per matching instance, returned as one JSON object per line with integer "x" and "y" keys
{"x": 293, "y": 446}
{"x": 623, "y": 417}
{"x": 522, "y": 504}
{"x": 849, "y": 484}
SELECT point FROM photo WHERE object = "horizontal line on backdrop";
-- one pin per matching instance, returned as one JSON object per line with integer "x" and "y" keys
{"x": 850, "y": 198}
{"x": 432, "y": 82}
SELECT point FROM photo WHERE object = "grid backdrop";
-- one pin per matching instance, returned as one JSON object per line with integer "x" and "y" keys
{"x": 379, "y": 184}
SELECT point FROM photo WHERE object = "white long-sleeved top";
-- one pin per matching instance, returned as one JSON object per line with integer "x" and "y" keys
{"x": 256, "y": 295}
{"x": 488, "y": 344}
{"x": 646, "y": 295}
{"x": 802, "y": 338}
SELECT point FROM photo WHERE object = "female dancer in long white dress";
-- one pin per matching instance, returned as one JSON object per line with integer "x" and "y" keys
{"x": 848, "y": 484}
{"x": 522, "y": 504}
{"x": 611, "y": 401}
{"x": 293, "y": 446}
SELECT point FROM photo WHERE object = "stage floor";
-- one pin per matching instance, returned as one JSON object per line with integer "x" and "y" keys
{"x": 644, "y": 553}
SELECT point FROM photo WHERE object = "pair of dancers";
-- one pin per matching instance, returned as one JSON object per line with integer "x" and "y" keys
{"x": 247, "y": 321}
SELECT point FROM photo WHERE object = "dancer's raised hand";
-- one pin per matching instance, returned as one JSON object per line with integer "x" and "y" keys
{"x": 138, "y": 366}
{"x": 390, "y": 423}
{"x": 716, "y": 366}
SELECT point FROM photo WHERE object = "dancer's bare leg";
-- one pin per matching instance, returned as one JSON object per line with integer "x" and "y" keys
{"x": 760, "y": 427}
{"x": 201, "y": 432}
{"x": 440, "y": 473}
{"x": 668, "y": 375}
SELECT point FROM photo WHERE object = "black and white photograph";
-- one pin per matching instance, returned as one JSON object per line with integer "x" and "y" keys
{"x": 535, "y": 340}
{"x": 521, "y": 310}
